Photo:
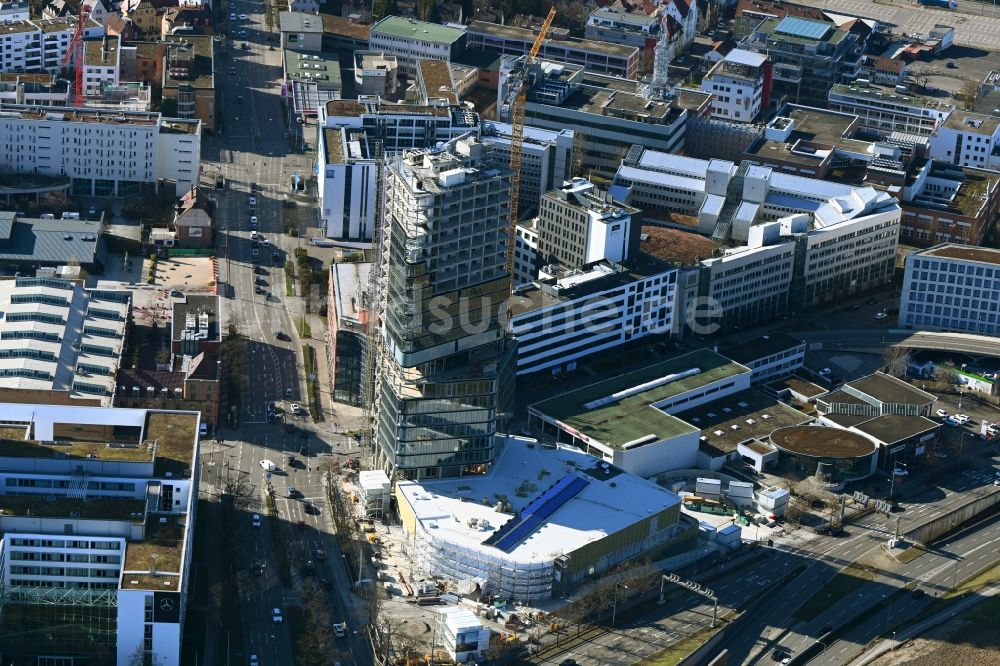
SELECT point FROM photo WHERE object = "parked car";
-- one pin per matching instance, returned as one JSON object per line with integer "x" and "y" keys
{"x": 296, "y": 408}
{"x": 255, "y": 520}
{"x": 253, "y": 201}
{"x": 942, "y": 413}
{"x": 881, "y": 315}
{"x": 253, "y": 660}
{"x": 340, "y": 629}
{"x": 276, "y": 616}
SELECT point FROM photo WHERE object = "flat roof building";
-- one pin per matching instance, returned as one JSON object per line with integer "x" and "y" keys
{"x": 564, "y": 517}
{"x": 411, "y": 40}
{"x": 627, "y": 420}
{"x": 109, "y": 495}
{"x": 311, "y": 80}
{"x": 610, "y": 114}
{"x": 951, "y": 287}
{"x": 347, "y": 341}
{"x": 300, "y": 31}
{"x": 616, "y": 60}
{"x": 740, "y": 85}
{"x": 27, "y": 244}
{"x": 889, "y": 109}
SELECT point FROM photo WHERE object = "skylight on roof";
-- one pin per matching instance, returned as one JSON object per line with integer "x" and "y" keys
{"x": 804, "y": 28}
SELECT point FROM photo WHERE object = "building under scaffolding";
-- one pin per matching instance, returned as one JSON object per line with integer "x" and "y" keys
{"x": 541, "y": 522}
{"x": 94, "y": 511}
{"x": 134, "y": 96}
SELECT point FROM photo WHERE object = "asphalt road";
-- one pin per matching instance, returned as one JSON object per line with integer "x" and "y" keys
{"x": 253, "y": 148}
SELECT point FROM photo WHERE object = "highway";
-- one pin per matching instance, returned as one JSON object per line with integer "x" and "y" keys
{"x": 252, "y": 154}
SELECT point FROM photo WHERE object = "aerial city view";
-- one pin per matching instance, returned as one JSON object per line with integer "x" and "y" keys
{"x": 527, "y": 332}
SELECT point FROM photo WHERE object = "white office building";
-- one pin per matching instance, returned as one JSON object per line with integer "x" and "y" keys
{"x": 526, "y": 262}
{"x": 399, "y": 126}
{"x": 411, "y": 40}
{"x": 56, "y": 335}
{"x": 793, "y": 242}
{"x": 969, "y": 140}
{"x": 106, "y": 153}
{"x": 568, "y": 315}
{"x": 39, "y": 45}
{"x": 95, "y": 505}
{"x": 952, "y": 287}
{"x": 546, "y": 158}
{"x": 737, "y": 86}
{"x": 347, "y": 186}
{"x": 887, "y": 109}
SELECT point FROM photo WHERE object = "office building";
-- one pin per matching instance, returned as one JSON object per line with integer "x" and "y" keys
{"x": 569, "y": 315}
{"x": 793, "y": 242}
{"x": 944, "y": 203}
{"x": 889, "y": 109}
{"x": 189, "y": 77}
{"x": 574, "y": 517}
{"x": 40, "y": 45}
{"x": 399, "y": 126}
{"x": 809, "y": 57}
{"x": 770, "y": 357}
{"x": 311, "y": 80}
{"x": 609, "y": 114}
{"x": 969, "y": 140}
{"x": 347, "y": 341}
{"x": 96, "y": 510}
{"x": 375, "y": 73}
{"x": 300, "y": 31}
{"x": 951, "y": 287}
{"x": 740, "y": 85}
{"x": 58, "y": 336}
{"x": 546, "y": 158}
{"x": 614, "y": 60}
{"x": 526, "y": 258}
{"x": 106, "y": 153}
{"x": 444, "y": 374}
{"x": 579, "y": 225}
{"x": 348, "y": 184}
{"x": 411, "y": 40}
{"x": 751, "y": 13}
{"x": 615, "y": 25}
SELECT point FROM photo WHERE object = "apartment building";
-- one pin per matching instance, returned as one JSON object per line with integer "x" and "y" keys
{"x": 59, "y": 336}
{"x": 685, "y": 14}
{"x": 15, "y": 11}
{"x": 616, "y": 25}
{"x": 34, "y": 89}
{"x": 95, "y": 509}
{"x": 546, "y": 158}
{"x": 951, "y": 287}
{"x": 444, "y": 375}
{"x": 889, "y": 109}
{"x": 809, "y": 57}
{"x": 740, "y": 85}
{"x": 969, "y": 140}
{"x": 106, "y": 153}
{"x": 793, "y": 242}
{"x": 567, "y": 315}
{"x": 101, "y": 65}
{"x": 40, "y": 45}
{"x": 615, "y": 60}
{"x": 751, "y": 13}
{"x": 609, "y": 114}
{"x": 311, "y": 80}
{"x": 411, "y": 40}
{"x": 579, "y": 225}
{"x": 189, "y": 77}
{"x": 300, "y": 31}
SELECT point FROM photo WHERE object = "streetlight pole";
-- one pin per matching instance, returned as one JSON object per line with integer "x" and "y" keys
{"x": 614, "y": 606}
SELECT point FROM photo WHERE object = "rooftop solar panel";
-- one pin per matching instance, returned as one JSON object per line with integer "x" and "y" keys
{"x": 799, "y": 27}
{"x": 518, "y": 528}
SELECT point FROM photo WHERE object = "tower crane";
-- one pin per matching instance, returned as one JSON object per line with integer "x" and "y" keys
{"x": 515, "y": 99}
{"x": 75, "y": 51}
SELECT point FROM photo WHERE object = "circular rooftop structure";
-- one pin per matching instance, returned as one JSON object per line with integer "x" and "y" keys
{"x": 822, "y": 442}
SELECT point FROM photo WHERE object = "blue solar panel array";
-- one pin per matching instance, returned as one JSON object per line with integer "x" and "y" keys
{"x": 799, "y": 27}
{"x": 518, "y": 528}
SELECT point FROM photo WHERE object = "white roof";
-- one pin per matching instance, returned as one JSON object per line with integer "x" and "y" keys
{"x": 741, "y": 57}
{"x": 660, "y": 161}
{"x": 660, "y": 178}
{"x": 600, "y": 509}
{"x": 460, "y": 619}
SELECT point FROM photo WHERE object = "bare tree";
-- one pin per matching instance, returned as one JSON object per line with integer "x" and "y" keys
{"x": 237, "y": 491}
{"x": 946, "y": 374}
{"x": 579, "y": 153}
{"x": 896, "y": 361}
{"x": 969, "y": 93}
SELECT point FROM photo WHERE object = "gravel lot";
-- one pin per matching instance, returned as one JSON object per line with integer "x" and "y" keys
{"x": 968, "y": 640}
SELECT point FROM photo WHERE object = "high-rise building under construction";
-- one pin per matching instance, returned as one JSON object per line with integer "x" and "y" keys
{"x": 443, "y": 367}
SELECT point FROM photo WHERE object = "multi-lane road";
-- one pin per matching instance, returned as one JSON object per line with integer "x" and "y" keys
{"x": 252, "y": 154}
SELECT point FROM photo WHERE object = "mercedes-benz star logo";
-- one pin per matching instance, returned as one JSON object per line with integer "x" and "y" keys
{"x": 166, "y": 604}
